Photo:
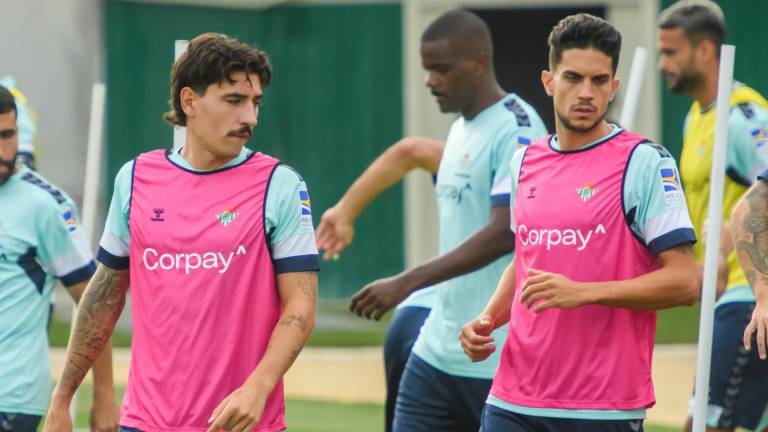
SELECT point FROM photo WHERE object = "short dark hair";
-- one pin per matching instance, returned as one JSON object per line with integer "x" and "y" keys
{"x": 7, "y": 102}
{"x": 212, "y": 58}
{"x": 584, "y": 31}
{"x": 463, "y": 28}
{"x": 700, "y": 20}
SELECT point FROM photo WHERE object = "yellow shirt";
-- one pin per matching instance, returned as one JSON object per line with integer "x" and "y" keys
{"x": 746, "y": 142}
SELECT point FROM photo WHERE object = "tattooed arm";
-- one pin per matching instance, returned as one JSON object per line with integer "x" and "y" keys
{"x": 99, "y": 310}
{"x": 105, "y": 413}
{"x": 242, "y": 409}
{"x": 749, "y": 225}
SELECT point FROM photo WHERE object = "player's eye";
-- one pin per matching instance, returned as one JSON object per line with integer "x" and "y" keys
{"x": 7, "y": 134}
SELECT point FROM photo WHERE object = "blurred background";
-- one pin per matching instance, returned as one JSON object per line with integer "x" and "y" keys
{"x": 347, "y": 83}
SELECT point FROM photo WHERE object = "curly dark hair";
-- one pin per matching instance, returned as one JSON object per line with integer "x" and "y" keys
{"x": 212, "y": 58}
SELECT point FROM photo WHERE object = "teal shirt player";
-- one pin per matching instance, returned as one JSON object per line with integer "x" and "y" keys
{"x": 40, "y": 240}
{"x": 474, "y": 176}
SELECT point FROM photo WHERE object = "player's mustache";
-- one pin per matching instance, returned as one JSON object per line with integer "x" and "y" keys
{"x": 245, "y": 131}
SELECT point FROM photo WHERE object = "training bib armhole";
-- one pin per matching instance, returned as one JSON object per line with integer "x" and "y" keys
{"x": 268, "y": 232}
{"x": 631, "y": 214}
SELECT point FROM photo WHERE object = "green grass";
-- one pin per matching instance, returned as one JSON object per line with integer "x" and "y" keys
{"x": 678, "y": 325}
{"x": 310, "y": 416}
{"x": 58, "y": 335}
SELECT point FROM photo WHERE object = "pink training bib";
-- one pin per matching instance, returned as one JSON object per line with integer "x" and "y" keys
{"x": 570, "y": 220}
{"x": 203, "y": 288}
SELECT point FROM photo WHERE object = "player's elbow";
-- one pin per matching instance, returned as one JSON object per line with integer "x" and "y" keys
{"x": 689, "y": 291}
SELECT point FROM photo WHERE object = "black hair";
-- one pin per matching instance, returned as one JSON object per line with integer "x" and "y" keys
{"x": 212, "y": 58}
{"x": 584, "y": 31}
{"x": 7, "y": 102}
{"x": 463, "y": 29}
{"x": 700, "y": 20}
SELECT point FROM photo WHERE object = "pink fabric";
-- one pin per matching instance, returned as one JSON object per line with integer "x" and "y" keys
{"x": 569, "y": 220}
{"x": 203, "y": 288}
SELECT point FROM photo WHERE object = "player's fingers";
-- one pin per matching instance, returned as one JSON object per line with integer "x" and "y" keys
{"x": 473, "y": 338}
{"x": 370, "y": 308}
{"x": 219, "y": 408}
{"x": 242, "y": 424}
{"x": 535, "y": 272}
{"x": 748, "y": 332}
{"x": 219, "y": 421}
{"x": 544, "y": 305}
{"x": 380, "y": 312}
{"x": 534, "y": 293}
{"x": 535, "y": 279}
{"x": 761, "y": 338}
{"x": 358, "y": 300}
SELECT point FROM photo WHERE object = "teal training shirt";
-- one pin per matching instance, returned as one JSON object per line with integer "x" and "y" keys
{"x": 473, "y": 177}
{"x": 40, "y": 240}
{"x": 289, "y": 227}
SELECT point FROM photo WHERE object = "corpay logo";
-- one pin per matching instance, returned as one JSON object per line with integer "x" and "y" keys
{"x": 554, "y": 237}
{"x": 190, "y": 261}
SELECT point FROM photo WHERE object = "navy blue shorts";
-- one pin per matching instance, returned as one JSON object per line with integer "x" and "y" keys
{"x": 402, "y": 332}
{"x": 738, "y": 391}
{"x": 430, "y": 400}
{"x": 15, "y": 422}
{"x": 496, "y": 419}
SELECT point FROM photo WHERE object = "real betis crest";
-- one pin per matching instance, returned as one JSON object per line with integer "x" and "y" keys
{"x": 226, "y": 217}
{"x": 586, "y": 192}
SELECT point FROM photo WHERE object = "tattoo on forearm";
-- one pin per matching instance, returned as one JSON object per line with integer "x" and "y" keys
{"x": 100, "y": 307}
{"x": 296, "y": 320}
{"x": 295, "y": 355}
{"x": 752, "y": 238}
{"x": 307, "y": 281}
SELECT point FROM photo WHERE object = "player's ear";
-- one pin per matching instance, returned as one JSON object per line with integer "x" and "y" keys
{"x": 188, "y": 99}
{"x": 547, "y": 79}
{"x": 615, "y": 83}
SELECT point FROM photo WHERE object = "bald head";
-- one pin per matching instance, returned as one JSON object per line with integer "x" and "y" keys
{"x": 465, "y": 32}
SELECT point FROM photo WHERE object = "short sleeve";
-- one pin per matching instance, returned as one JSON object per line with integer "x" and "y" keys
{"x": 747, "y": 154}
{"x": 115, "y": 244}
{"x": 288, "y": 223}
{"x": 63, "y": 246}
{"x": 654, "y": 203}
{"x": 503, "y": 149}
{"x": 515, "y": 165}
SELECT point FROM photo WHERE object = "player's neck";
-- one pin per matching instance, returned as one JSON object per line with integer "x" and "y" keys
{"x": 706, "y": 93}
{"x": 487, "y": 96}
{"x": 201, "y": 159}
{"x": 570, "y": 140}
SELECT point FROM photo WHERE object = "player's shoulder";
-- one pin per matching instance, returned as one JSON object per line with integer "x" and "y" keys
{"x": 285, "y": 180}
{"x": 517, "y": 109}
{"x": 41, "y": 191}
{"x": 648, "y": 154}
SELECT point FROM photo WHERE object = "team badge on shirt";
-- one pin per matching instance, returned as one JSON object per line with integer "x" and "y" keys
{"x": 306, "y": 209}
{"x": 227, "y": 216}
{"x": 586, "y": 192}
{"x": 759, "y": 136}
{"x": 673, "y": 192}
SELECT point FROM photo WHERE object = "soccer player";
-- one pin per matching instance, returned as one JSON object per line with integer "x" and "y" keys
{"x": 440, "y": 389}
{"x": 216, "y": 242}
{"x": 690, "y": 36}
{"x": 40, "y": 241}
{"x": 603, "y": 239}
{"x": 25, "y": 121}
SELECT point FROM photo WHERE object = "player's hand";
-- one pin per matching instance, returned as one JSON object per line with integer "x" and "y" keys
{"x": 58, "y": 418}
{"x": 240, "y": 411}
{"x": 548, "y": 290}
{"x": 335, "y": 232}
{"x": 476, "y": 339}
{"x": 376, "y": 298}
{"x": 758, "y": 324}
{"x": 105, "y": 414}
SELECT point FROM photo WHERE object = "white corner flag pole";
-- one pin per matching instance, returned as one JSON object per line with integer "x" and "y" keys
{"x": 635, "y": 82}
{"x": 179, "y": 133}
{"x": 92, "y": 182}
{"x": 715, "y": 210}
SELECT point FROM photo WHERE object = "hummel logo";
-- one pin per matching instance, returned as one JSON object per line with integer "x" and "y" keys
{"x": 158, "y": 217}
{"x": 635, "y": 425}
{"x": 531, "y": 192}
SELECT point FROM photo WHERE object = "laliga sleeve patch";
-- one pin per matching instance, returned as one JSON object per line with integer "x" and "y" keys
{"x": 673, "y": 192}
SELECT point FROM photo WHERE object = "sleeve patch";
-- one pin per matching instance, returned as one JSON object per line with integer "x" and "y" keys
{"x": 70, "y": 221}
{"x": 673, "y": 192}
{"x": 759, "y": 136}
{"x": 306, "y": 209}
